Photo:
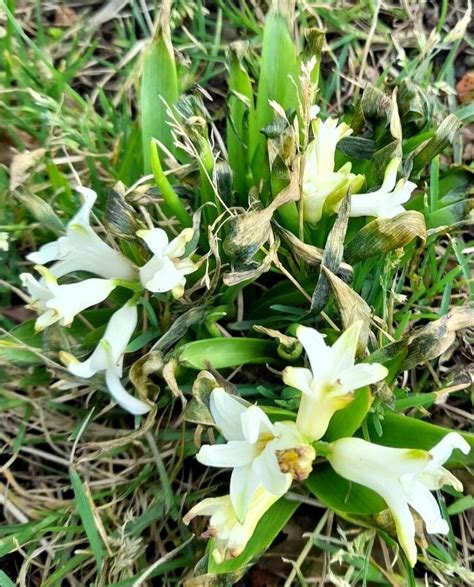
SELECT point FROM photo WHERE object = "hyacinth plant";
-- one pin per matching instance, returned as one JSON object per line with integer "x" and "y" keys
{"x": 247, "y": 291}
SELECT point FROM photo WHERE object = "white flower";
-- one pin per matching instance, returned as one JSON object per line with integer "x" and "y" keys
{"x": 333, "y": 378}
{"x": 108, "y": 357}
{"x": 231, "y": 535}
{"x": 321, "y": 184}
{"x": 403, "y": 477}
{"x": 258, "y": 451}
{"x": 82, "y": 249}
{"x": 63, "y": 302}
{"x": 4, "y": 244}
{"x": 166, "y": 270}
{"x": 387, "y": 201}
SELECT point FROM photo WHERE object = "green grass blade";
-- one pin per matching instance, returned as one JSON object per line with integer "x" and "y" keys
{"x": 84, "y": 509}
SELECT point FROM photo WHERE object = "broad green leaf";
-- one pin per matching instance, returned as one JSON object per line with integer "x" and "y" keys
{"x": 227, "y": 352}
{"x": 265, "y": 533}
{"x": 278, "y": 76}
{"x": 23, "y": 337}
{"x": 159, "y": 89}
{"x": 5, "y": 580}
{"x": 341, "y": 495}
{"x": 84, "y": 509}
{"x": 347, "y": 421}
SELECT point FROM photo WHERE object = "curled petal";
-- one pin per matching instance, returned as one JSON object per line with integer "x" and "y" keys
{"x": 442, "y": 451}
{"x": 124, "y": 399}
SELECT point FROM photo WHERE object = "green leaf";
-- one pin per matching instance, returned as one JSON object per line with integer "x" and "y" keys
{"x": 347, "y": 421}
{"x": 265, "y": 533}
{"x": 227, "y": 352}
{"x": 159, "y": 89}
{"x": 241, "y": 110}
{"x": 341, "y": 495}
{"x": 5, "y": 580}
{"x": 16, "y": 349}
{"x": 84, "y": 506}
{"x": 278, "y": 76}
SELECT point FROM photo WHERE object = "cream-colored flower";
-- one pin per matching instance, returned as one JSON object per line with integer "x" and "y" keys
{"x": 387, "y": 201}
{"x": 231, "y": 535}
{"x": 259, "y": 452}
{"x": 108, "y": 358}
{"x": 333, "y": 378}
{"x": 61, "y": 303}
{"x": 167, "y": 269}
{"x": 322, "y": 186}
{"x": 82, "y": 249}
{"x": 403, "y": 478}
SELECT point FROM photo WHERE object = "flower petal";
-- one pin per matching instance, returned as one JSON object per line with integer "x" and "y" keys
{"x": 255, "y": 422}
{"x": 404, "y": 523}
{"x": 243, "y": 484}
{"x": 442, "y": 451}
{"x": 359, "y": 376}
{"x": 299, "y": 378}
{"x": 423, "y": 502}
{"x": 156, "y": 240}
{"x": 344, "y": 349}
{"x": 124, "y": 399}
{"x": 70, "y": 299}
{"x": 316, "y": 349}
{"x": 236, "y": 453}
{"x": 390, "y": 175}
{"x": 164, "y": 279}
{"x": 119, "y": 330}
{"x": 266, "y": 468}
{"x": 177, "y": 246}
{"x": 208, "y": 507}
{"x": 226, "y": 411}
{"x": 82, "y": 216}
{"x": 45, "y": 254}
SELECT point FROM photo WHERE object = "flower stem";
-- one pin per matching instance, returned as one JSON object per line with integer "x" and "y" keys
{"x": 322, "y": 448}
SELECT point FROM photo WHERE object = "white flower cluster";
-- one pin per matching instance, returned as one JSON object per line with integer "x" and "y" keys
{"x": 81, "y": 249}
{"x": 324, "y": 188}
{"x": 266, "y": 457}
